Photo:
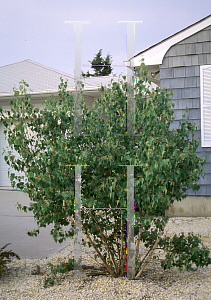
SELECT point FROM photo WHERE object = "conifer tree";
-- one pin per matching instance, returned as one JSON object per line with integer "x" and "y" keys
{"x": 102, "y": 67}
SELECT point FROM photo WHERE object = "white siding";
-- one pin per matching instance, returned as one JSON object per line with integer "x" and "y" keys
{"x": 4, "y": 179}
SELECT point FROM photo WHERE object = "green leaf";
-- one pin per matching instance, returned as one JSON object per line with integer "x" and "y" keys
{"x": 184, "y": 155}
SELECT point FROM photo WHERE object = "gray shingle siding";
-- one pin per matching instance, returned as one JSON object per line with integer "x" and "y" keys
{"x": 197, "y": 71}
{"x": 205, "y": 180}
{"x": 203, "y": 36}
{"x": 187, "y": 60}
{"x": 190, "y": 82}
{"x": 167, "y": 73}
{"x": 194, "y": 60}
{"x": 208, "y": 154}
{"x": 209, "y": 59}
{"x": 180, "y": 50}
{"x": 202, "y": 59}
{"x": 206, "y": 47}
{"x": 190, "y": 48}
{"x": 179, "y": 104}
{"x": 190, "y": 192}
{"x": 201, "y": 191}
{"x": 189, "y": 71}
{"x": 208, "y": 189}
{"x": 197, "y": 133}
{"x": 208, "y": 166}
{"x": 193, "y": 92}
{"x": 193, "y": 103}
{"x": 180, "y": 71}
{"x": 172, "y": 51}
{"x": 198, "y": 48}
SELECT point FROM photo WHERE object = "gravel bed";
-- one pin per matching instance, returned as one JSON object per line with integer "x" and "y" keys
{"x": 155, "y": 283}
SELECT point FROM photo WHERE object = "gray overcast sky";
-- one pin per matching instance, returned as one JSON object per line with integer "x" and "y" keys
{"x": 36, "y": 29}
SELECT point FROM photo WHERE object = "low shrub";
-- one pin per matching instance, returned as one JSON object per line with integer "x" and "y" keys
{"x": 5, "y": 258}
{"x": 61, "y": 268}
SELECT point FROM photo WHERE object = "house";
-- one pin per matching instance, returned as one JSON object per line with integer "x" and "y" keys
{"x": 182, "y": 63}
{"x": 43, "y": 82}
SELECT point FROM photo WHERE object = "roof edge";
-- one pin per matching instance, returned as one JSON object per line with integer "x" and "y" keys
{"x": 154, "y": 54}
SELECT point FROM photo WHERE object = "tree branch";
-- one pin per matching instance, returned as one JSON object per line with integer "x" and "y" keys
{"x": 67, "y": 215}
{"x": 106, "y": 244}
{"x": 94, "y": 246}
{"x": 122, "y": 259}
{"x": 150, "y": 252}
{"x": 138, "y": 243}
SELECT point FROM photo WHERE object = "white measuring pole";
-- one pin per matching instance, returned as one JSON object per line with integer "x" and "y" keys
{"x": 130, "y": 168}
{"x": 77, "y": 132}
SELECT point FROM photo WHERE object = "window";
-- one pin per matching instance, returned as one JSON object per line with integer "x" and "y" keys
{"x": 205, "y": 92}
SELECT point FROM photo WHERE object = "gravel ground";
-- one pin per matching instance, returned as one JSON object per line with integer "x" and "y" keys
{"x": 155, "y": 283}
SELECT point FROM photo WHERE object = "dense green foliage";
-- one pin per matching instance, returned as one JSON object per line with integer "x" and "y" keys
{"x": 169, "y": 166}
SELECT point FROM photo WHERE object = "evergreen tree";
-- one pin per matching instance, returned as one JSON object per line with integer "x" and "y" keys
{"x": 102, "y": 67}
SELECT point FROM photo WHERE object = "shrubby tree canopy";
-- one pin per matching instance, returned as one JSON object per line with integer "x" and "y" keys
{"x": 168, "y": 167}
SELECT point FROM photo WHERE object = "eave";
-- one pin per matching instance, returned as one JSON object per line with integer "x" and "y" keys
{"x": 153, "y": 56}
